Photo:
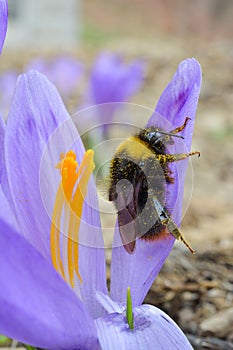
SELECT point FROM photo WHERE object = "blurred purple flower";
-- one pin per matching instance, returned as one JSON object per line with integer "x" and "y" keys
{"x": 3, "y": 22}
{"x": 36, "y": 305}
{"x": 63, "y": 71}
{"x": 112, "y": 80}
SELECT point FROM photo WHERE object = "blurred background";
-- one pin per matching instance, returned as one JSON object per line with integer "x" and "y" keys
{"x": 76, "y": 43}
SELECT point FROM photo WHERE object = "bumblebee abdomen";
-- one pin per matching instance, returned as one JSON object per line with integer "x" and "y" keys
{"x": 125, "y": 175}
{"x": 136, "y": 177}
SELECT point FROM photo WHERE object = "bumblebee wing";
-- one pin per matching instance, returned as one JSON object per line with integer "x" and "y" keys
{"x": 103, "y": 185}
{"x": 128, "y": 216}
{"x": 126, "y": 224}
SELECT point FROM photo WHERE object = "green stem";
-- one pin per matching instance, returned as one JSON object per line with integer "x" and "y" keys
{"x": 129, "y": 310}
{"x": 29, "y": 347}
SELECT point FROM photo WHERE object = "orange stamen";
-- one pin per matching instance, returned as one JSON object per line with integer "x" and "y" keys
{"x": 74, "y": 200}
{"x": 85, "y": 171}
{"x": 55, "y": 233}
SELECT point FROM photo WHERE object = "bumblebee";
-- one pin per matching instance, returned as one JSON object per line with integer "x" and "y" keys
{"x": 139, "y": 175}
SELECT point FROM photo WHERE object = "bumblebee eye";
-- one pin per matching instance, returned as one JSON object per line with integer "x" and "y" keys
{"x": 150, "y": 135}
{"x": 141, "y": 164}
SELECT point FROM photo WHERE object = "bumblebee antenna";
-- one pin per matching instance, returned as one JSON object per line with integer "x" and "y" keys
{"x": 171, "y": 134}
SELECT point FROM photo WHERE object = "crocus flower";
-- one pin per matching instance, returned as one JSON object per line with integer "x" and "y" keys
{"x": 53, "y": 291}
{"x": 113, "y": 81}
{"x": 3, "y": 22}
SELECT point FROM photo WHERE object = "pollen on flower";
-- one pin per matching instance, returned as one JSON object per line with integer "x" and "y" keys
{"x": 67, "y": 212}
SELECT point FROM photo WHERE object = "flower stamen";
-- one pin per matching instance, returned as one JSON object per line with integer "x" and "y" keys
{"x": 71, "y": 194}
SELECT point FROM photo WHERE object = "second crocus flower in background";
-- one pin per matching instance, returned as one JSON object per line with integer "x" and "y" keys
{"x": 111, "y": 82}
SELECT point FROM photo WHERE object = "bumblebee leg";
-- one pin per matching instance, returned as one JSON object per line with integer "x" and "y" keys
{"x": 175, "y": 232}
{"x": 170, "y": 225}
{"x": 169, "y": 158}
{"x": 180, "y": 128}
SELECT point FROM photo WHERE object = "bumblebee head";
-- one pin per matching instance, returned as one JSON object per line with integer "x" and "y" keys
{"x": 157, "y": 138}
{"x": 153, "y": 136}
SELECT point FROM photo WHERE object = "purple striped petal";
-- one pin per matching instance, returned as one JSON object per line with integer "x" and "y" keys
{"x": 36, "y": 111}
{"x": 3, "y": 22}
{"x": 139, "y": 270}
{"x": 6, "y": 213}
{"x": 153, "y": 329}
{"x": 92, "y": 255}
{"x": 180, "y": 97}
{"x": 108, "y": 304}
{"x": 178, "y": 101}
{"x": 91, "y": 246}
{"x": 39, "y": 129}
{"x": 36, "y": 306}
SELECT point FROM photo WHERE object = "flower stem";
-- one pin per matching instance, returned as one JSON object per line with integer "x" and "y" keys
{"x": 29, "y": 347}
{"x": 129, "y": 310}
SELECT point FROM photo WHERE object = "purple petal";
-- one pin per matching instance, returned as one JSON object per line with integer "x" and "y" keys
{"x": 153, "y": 329}
{"x": 180, "y": 98}
{"x": 2, "y": 135}
{"x": 132, "y": 79}
{"x": 3, "y": 22}
{"x": 37, "y": 306}
{"x": 113, "y": 81}
{"x": 178, "y": 101}
{"x": 91, "y": 246}
{"x": 6, "y": 213}
{"x": 108, "y": 304}
{"x": 36, "y": 111}
{"x": 92, "y": 256}
{"x": 103, "y": 78}
{"x": 138, "y": 270}
{"x": 39, "y": 129}
{"x": 66, "y": 72}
